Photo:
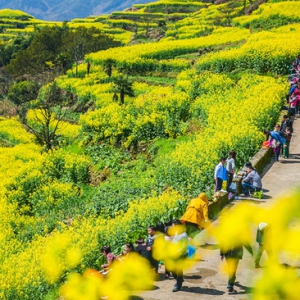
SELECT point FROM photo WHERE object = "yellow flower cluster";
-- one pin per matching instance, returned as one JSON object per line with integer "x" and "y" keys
{"x": 12, "y": 131}
{"x": 281, "y": 9}
{"x": 140, "y": 56}
{"x": 47, "y": 258}
{"x": 263, "y": 52}
{"x": 128, "y": 276}
{"x": 160, "y": 112}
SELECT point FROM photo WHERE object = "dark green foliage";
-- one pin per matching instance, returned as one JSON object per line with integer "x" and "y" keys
{"x": 55, "y": 49}
{"x": 106, "y": 156}
{"x": 23, "y": 92}
{"x": 9, "y": 50}
{"x": 130, "y": 179}
{"x": 113, "y": 197}
{"x": 49, "y": 115}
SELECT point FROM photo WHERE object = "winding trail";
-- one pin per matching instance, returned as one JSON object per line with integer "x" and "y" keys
{"x": 205, "y": 280}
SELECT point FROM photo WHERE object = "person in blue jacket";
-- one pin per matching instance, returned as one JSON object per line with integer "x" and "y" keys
{"x": 220, "y": 174}
{"x": 276, "y": 140}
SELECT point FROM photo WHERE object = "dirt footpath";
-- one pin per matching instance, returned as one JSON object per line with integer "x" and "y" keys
{"x": 206, "y": 280}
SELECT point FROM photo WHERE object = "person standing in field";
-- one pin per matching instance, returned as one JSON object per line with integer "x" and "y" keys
{"x": 286, "y": 145}
{"x": 107, "y": 253}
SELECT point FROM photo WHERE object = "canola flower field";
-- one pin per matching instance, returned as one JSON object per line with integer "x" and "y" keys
{"x": 54, "y": 221}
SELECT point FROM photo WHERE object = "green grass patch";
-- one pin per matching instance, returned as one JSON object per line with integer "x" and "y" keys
{"x": 162, "y": 146}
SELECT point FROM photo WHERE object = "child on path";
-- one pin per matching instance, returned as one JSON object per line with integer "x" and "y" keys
{"x": 286, "y": 145}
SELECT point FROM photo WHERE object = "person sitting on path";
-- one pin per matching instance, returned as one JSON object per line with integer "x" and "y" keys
{"x": 195, "y": 217}
{"x": 251, "y": 182}
{"x": 220, "y": 174}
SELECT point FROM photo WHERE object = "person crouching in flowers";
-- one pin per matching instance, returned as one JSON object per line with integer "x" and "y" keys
{"x": 276, "y": 140}
{"x": 106, "y": 252}
{"x": 195, "y": 217}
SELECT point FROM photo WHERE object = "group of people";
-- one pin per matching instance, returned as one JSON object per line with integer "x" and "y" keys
{"x": 225, "y": 173}
{"x": 225, "y": 170}
{"x": 281, "y": 136}
{"x": 191, "y": 223}
{"x": 145, "y": 249}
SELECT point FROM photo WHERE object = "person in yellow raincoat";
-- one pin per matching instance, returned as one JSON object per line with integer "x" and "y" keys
{"x": 195, "y": 217}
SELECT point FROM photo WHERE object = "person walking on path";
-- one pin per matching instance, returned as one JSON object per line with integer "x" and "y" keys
{"x": 195, "y": 217}
{"x": 232, "y": 257}
{"x": 263, "y": 240}
{"x": 230, "y": 168}
{"x": 180, "y": 238}
{"x": 220, "y": 174}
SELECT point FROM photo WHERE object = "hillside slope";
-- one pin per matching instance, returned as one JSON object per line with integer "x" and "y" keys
{"x": 67, "y": 9}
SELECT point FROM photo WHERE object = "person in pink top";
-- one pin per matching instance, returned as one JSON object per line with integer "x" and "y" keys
{"x": 106, "y": 252}
{"x": 296, "y": 93}
{"x": 294, "y": 99}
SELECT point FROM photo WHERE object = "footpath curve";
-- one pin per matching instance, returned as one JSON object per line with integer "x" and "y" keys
{"x": 205, "y": 279}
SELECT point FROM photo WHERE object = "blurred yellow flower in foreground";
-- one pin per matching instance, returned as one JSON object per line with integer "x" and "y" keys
{"x": 131, "y": 275}
{"x": 173, "y": 254}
